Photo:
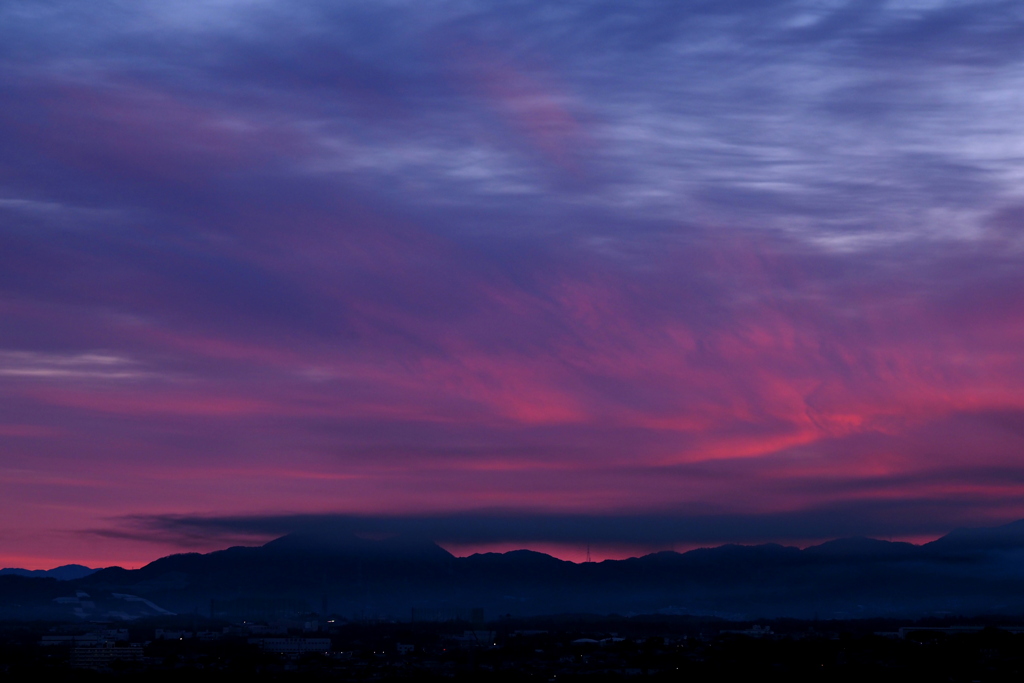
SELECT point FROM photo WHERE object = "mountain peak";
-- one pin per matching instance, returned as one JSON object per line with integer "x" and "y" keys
{"x": 861, "y": 546}
{"x": 981, "y": 539}
{"x": 344, "y": 544}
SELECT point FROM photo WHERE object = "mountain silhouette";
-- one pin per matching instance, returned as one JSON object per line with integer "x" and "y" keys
{"x": 65, "y": 572}
{"x": 969, "y": 571}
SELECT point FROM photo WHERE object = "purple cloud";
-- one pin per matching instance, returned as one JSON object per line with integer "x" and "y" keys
{"x": 735, "y": 261}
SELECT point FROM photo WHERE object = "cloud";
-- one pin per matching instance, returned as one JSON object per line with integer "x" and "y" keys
{"x": 741, "y": 259}
{"x": 50, "y": 366}
{"x": 653, "y": 530}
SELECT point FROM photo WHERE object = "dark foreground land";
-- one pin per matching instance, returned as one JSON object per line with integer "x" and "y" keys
{"x": 567, "y": 648}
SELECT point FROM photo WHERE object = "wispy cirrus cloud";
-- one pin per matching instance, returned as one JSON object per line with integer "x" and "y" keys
{"x": 55, "y": 366}
{"x": 731, "y": 258}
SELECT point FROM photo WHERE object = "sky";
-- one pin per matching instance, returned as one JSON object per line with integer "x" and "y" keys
{"x": 638, "y": 276}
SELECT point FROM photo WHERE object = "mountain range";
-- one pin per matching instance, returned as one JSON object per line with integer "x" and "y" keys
{"x": 969, "y": 571}
{"x": 67, "y": 572}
